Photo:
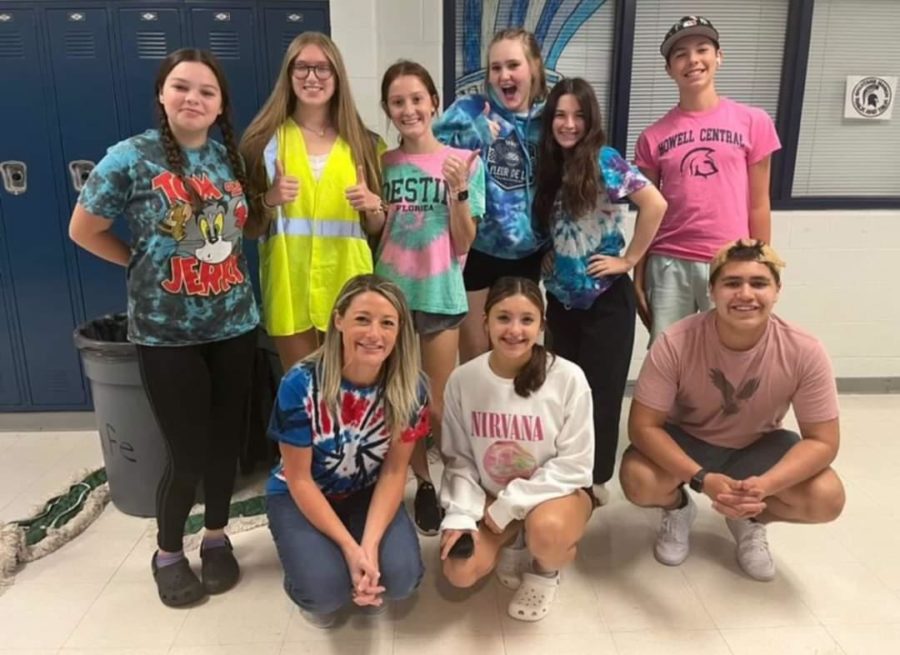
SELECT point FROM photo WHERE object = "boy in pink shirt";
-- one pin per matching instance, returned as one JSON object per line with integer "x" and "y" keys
{"x": 707, "y": 411}
{"x": 710, "y": 158}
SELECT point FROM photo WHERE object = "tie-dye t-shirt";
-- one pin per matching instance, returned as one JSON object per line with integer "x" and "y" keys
{"x": 347, "y": 450}
{"x": 600, "y": 233}
{"x": 187, "y": 278}
{"x": 416, "y": 250}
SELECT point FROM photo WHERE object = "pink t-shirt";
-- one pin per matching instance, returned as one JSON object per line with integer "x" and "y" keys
{"x": 731, "y": 398}
{"x": 702, "y": 161}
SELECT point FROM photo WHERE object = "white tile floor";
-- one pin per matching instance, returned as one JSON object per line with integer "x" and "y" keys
{"x": 837, "y": 590}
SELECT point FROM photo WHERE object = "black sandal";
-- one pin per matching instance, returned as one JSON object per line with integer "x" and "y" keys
{"x": 428, "y": 513}
{"x": 220, "y": 570}
{"x": 177, "y": 584}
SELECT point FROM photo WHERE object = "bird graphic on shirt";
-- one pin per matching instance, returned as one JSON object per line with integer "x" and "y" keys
{"x": 730, "y": 399}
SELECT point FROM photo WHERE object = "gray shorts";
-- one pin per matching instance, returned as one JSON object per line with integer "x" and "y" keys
{"x": 429, "y": 323}
{"x": 675, "y": 288}
{"x": 737, "y": 463}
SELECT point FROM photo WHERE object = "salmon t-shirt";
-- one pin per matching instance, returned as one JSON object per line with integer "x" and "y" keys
{"x": 731, "y": 398}
{"x": 702, "y": 160}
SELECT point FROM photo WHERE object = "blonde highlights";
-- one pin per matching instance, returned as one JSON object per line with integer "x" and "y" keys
{"x": 401, "y": 377}
{"x": 532, "y": 50}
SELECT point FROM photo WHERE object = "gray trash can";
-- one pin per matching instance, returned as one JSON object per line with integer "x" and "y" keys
{"x": 133, "y": 448}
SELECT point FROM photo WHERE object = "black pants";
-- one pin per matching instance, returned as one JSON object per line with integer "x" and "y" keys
{"x": 600, "y": 340}
{"x": 199, "y": 395}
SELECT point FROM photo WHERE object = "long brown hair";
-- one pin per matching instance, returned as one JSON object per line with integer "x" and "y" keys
{"x": 174, "y": 154}
{"x": 281, "y": 104}
{"x": 532, "y": 376}
{"x": 574, "y": 173}
{"x": 532, "y": 53}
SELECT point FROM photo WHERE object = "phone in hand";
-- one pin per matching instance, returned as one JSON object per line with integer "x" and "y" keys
{"x": 464, "y": 547}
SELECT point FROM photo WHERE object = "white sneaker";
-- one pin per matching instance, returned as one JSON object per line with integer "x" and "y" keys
{"x": 511, "y": 564}
{"x": 752, "y": 548}
{"x": 673, "y": 539}
{"x": 601, "y": 493}
{"x": 323, "y": 621}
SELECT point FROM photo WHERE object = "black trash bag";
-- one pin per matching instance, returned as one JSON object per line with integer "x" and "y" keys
{"x": 106, "y": 336}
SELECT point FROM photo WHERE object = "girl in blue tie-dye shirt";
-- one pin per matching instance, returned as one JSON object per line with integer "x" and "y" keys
{"x": 591, "y": 301}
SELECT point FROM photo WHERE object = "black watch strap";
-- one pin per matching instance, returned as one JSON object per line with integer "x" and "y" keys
{"x": 696, "y": 482}
{"x": 462, "y": 196}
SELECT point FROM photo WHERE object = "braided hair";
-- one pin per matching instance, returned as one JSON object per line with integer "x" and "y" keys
{"x": 174, "y": 153}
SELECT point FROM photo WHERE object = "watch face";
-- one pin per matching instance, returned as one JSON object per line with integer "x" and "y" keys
{"x": 462, "y": 195}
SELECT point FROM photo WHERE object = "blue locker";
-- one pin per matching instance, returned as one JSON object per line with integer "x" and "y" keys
{"x": 81, "y": 50}
{"x": 39, "y": 280}
{"x": 284, "y": 21}
{"x": 10, "y": 392}
{"x": 146, "y": 36}
{"x": 228, "y": 33}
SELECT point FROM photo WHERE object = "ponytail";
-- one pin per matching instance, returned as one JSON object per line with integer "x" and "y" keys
{"x": 534, "y": 373}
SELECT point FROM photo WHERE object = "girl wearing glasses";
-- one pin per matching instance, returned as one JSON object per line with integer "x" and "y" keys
{"x": 314, "y": 177}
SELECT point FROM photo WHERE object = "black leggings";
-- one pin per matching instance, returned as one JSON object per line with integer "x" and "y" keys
{"x": 600, "y": 340}
{"x": 199, "y": 395}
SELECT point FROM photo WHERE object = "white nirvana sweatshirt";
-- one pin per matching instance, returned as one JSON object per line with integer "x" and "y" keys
{"x": 522, "y": 451}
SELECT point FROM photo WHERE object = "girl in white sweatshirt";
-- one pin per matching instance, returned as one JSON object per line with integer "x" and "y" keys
{"x": 518, "y": 447}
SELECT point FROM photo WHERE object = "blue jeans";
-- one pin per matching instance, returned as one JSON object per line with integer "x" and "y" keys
{"x": 315, "y": 571}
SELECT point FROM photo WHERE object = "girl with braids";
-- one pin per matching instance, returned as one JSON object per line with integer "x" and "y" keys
{"x": 315, "y": 179}
{"x": 590, "y": 297}
{"x": 518, "y": 447}
{"x": 191, "y": 310}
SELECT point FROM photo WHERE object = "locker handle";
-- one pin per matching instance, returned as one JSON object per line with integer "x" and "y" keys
{"x": 80, "y": 171}
{"x": 15, "y": 176}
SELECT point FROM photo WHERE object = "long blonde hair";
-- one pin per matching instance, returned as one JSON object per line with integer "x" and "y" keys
{"x": 401, "y": 379}
{"x": 281, "y": 104}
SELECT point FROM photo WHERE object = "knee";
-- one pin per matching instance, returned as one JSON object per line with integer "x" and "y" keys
{"x": 639, "y": 483}
{"x": 401, "y": 575}
{"x": 461, "y": 574}
{"x": 321, "y": 591}
{"x": 826, "y": 498}
{"x": 544, "y": 536}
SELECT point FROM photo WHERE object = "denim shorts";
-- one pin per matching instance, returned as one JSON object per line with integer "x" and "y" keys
{"x": 429, "y": 323}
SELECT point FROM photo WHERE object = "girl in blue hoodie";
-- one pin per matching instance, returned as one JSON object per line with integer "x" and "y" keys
{"x": 504, "y": 127}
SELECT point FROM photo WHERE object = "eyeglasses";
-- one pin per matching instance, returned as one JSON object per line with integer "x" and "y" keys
{"x": 321, "y": 71}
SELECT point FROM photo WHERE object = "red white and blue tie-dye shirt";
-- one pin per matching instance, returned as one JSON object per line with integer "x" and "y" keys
{"x": 416, "y": 250}
{"x": 348, "y": 450}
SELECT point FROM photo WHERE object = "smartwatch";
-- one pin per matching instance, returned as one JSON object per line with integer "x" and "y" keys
{"x": 462, "y": 196}
{"x": 696, "y": 482}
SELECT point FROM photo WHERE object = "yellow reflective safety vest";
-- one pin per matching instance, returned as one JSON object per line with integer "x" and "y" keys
{"x": 315, "y": 243}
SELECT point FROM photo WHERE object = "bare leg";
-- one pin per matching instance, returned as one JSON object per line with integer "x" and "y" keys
{"x": 554, "y": 528}
{"x": 466, "y": 572}
{"x": 473, "y": 340}
{"x": 293, "y": 348}
{"x": 817, "y": 500}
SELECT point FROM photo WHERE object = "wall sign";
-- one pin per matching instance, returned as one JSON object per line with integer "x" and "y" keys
{"x": 870, "y": 97}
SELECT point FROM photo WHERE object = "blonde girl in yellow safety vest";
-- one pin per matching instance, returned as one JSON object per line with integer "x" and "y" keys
{"x": 314, "y": 174}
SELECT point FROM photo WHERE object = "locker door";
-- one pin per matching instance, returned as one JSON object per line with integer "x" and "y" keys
{"x": 39, "y": 284}
{"x": 10, "y": 393}
{"x": 228, "y": 33}
{"x": 81, "y": 58}
{"x": 283, "y": 23}
{"x": 146, "y": 36}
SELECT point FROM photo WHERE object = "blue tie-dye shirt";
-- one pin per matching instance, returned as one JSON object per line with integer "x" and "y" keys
{"x": 347, "y": 450}
{"x": 599, "y": 233}
{"x": 506, "y": 230}
{"x": 187, "y": 277}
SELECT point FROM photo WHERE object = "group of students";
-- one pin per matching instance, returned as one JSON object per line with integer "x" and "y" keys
{"x": 381, "y": 268}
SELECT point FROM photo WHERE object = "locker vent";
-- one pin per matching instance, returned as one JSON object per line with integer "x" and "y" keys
{"x": 12, "y": 46}
{"x": 152, "y": 45}
{"x": 288, "y": 36}
{"x": 80, "y": 45}
{"x": 225, "y": 45}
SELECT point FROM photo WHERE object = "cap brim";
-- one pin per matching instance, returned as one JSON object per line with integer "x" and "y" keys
{"x": 696, "y": 30}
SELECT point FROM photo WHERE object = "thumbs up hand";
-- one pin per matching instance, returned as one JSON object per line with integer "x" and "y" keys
{"x": 284, "y": 189}
{"x": 456, "y": 172}
{"x": 493, "y": 126}
{"x": 359, "y": 196}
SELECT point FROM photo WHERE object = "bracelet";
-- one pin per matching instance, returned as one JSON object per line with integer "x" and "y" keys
{"x": 262, "y": 199}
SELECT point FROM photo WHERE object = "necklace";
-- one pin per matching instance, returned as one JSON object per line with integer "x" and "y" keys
{"x": 318, "y": 133}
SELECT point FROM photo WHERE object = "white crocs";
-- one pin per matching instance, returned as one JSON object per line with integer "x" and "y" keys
{"x": 511, "y": 563}
{"x": 533, "y": 598}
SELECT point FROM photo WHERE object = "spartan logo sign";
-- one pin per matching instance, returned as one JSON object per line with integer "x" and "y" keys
{"x": 699, "y": 162}
{"x": 871, "y": 97}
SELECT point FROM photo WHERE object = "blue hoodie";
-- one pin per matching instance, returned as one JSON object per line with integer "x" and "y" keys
{"x": 506, "y": 230}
